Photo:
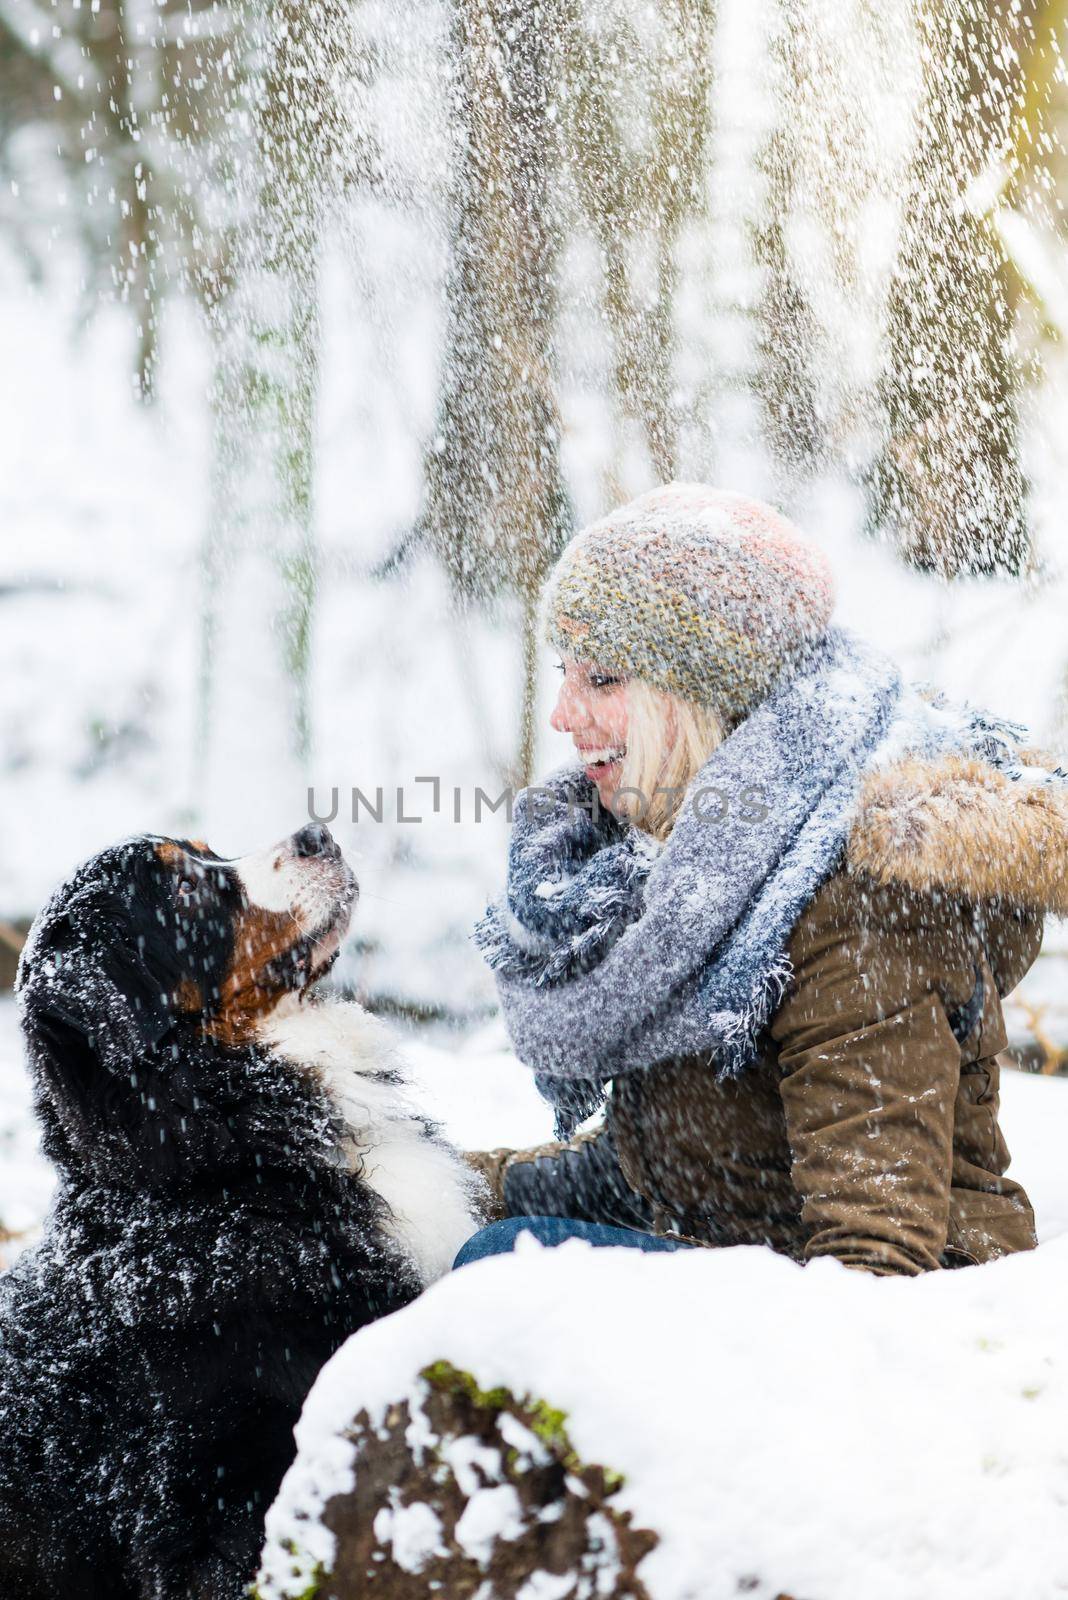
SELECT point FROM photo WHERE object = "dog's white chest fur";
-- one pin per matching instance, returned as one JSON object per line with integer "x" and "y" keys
{"x": 428, "y": 1188}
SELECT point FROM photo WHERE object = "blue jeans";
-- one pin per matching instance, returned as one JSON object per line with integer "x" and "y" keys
{"x": 500, "y": 1237}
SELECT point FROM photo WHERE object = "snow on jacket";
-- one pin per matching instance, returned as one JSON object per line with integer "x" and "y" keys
{"x": 868, "y": 1129}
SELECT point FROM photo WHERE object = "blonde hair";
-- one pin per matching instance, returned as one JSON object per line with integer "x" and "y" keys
{"x": 668, "y": 742}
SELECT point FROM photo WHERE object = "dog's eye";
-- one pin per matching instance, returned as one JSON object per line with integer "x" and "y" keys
{"x": 186, "y": 890}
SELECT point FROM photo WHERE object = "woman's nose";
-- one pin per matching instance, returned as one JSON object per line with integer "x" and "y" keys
{"x": 567, "y": 712}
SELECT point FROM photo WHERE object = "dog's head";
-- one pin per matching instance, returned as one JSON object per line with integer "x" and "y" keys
{"x": 154, "y": 935}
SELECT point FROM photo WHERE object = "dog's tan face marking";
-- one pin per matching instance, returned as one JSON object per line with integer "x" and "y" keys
{"x": 263, "y": 968}
{"x": 189, "y": 997}
{"x": 172, "y": 854}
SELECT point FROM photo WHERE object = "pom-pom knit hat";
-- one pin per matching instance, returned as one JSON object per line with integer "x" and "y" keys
{"x": 703, "y": 593}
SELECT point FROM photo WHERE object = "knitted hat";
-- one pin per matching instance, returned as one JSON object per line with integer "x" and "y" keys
{"x": 694, "y": 590}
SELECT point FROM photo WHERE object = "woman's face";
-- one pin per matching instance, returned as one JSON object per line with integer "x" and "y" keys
{"x": 592, "y": 708}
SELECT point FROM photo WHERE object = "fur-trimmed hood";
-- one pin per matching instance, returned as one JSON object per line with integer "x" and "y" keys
{"x": 961, "y": 826}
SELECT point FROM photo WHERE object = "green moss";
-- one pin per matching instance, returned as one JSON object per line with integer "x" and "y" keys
{"x": 546, "y": 1422}
{"x": 446, "y": 1378}
{"x": 310, "y": 1593}
{"x": 318, "y": 1578}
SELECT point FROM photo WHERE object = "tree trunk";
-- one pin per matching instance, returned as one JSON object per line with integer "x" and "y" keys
{"x": 636, "y": 196}
{"x": 495, "y": 507}
{"x": 948, "y": 480}
{"x": 789, "y": 333}
{"x": 528, "y": 706}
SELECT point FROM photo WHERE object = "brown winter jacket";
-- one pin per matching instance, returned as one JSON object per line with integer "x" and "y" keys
{"x": 868, "y": 1128}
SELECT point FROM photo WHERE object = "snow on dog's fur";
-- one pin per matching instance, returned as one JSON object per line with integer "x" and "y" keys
{"x": 386, "y": 1141}
{"x": 243, "y": 1183}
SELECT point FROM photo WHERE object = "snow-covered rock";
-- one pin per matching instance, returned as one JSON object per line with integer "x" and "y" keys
{"x": 462, "y": 1491}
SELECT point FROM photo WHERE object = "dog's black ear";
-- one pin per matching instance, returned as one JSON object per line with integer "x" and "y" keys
{"x": 88, "y": 973}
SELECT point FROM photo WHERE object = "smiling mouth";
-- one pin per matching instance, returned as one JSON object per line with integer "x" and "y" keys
{"x": 597, "y": 760}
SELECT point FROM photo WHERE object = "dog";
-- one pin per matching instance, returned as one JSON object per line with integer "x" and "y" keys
{"x": 244, "y": 1182}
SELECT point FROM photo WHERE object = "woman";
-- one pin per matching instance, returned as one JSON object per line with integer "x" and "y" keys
{"x": 769, "y": 918}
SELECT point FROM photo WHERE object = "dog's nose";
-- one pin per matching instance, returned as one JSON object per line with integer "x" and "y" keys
{"x": 315, "y": 840}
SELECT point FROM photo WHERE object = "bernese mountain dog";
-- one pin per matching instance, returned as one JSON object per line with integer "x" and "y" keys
{"x": 243, "y": 1182}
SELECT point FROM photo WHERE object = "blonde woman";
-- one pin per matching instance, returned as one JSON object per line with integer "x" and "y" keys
{"x": 765, "y": 924}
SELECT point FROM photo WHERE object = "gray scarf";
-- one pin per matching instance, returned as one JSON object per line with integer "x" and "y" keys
{"x": 611, "y": 956}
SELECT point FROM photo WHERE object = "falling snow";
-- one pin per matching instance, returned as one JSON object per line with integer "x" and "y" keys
{"x": 324, "y": 326}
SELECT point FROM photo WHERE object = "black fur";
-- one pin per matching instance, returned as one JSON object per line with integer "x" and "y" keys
{"x": 205, "y": 1255}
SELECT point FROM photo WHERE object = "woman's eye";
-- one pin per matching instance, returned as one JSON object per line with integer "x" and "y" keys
{"x": 604, "y": 683}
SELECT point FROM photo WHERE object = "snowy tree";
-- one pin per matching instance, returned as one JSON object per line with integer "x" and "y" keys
{"x": 496, "y": 509}
{"x": 790, "y": 335}
{"x": 538, "y": 105}
{"x": 949, "y": 480}
{"x": 638, "y": 109}
{"x": 100, "y": 84}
